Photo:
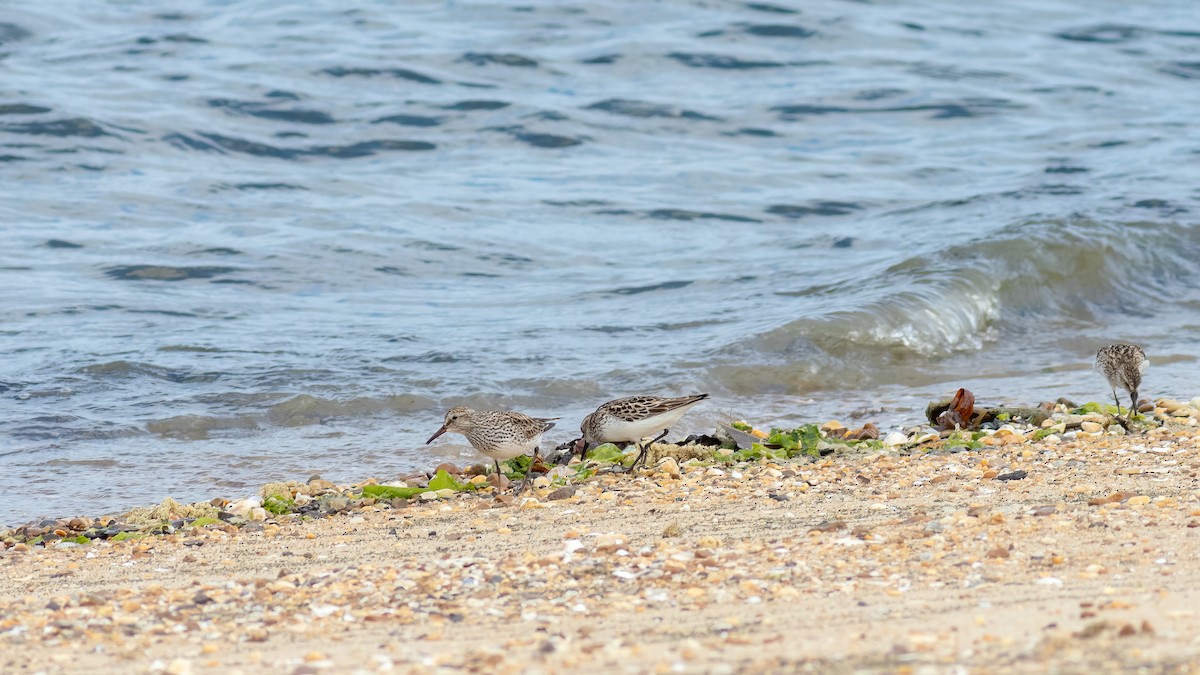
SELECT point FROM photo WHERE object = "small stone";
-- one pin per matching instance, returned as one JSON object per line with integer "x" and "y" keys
{"x": 894, "y": 439}
{"x": 562, "y": 493}
{"x": 1091, "y": 427}
{"x": 179, "y": 667}
{"x": 1138, "y": 500}
{"x": 670, "y": 466}
{"x": 1127, "y": 630}
{"x": 314, "y": 656}
{"x": 1169, "y": 404}
{"x": 1014, "y": 475}
{"x": 998, "y": 552}
{"x": 611, "y": 541}
{"x": 448, "y": 468}
{"x": 541, "y": 482}
{"x": 499, "y": 481}
{"x": 429, "y": 496}
{"x": 1047, "y": 510}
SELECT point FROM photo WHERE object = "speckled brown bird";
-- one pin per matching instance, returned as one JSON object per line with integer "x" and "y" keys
{"x": 497, "y": 434}
{"x": 629, "y": 420}
{"x": 1122, "y": 365}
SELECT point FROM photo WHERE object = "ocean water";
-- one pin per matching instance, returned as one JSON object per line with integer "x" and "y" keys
{"x": 245, "y": 241}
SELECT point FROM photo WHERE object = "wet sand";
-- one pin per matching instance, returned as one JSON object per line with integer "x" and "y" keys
{"x": 894, "y": 561}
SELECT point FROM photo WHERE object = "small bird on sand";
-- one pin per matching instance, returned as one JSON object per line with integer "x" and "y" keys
{"x": 497, "y": 434}
{"x": 1122, "y": 365}
{"x": 629, "y": 420}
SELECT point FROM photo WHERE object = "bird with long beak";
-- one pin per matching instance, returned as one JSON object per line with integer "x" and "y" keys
{"x": 629, "y": 420}
{"x": 496, "y": 434}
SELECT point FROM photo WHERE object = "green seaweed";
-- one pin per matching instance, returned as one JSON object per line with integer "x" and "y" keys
{"x": 1102, "y": 408}
{"x": 959, "y": 441}
{"x": 608, "y": 453}
{"x": 518, "y": 466}
{"x": 444, "y": 480}
{"x": 202, "y": 522}
{"x": 1042, "y": 433}
{"x": 391, "y": 492}
{"x": 278, "y": 504}
{"x": 78, "y": 539}
{"x": 742, "y": 426}
{"x": 440, "y": 481}
{"x": 126, "y": 536}
{"x": 803, "y": 440}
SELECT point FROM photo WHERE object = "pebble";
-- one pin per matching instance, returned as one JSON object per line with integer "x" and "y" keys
{"x": 1091, "y": 427}
{"x": 562, "y": 493}
{"x": 894, "y": 439}
{"x": 670, "y": 466}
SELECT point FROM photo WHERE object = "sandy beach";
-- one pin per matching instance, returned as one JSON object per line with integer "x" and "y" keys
{"x": 1072, "y": 553}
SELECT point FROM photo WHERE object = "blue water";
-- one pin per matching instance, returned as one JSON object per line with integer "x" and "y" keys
{"x": 243, "y": 242}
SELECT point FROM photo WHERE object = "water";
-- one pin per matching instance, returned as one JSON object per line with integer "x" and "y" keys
{"x": 247, "y": 242}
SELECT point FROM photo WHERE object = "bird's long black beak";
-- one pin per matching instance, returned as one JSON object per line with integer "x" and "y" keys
{"x": 440, "y": 431}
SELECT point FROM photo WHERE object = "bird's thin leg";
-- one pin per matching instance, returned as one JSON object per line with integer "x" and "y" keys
{"x": 525, "y": 481}
{"x": 1118, "y": 402}
{"x": 1133, "y": 406}
{"x": 645, "y": 449}
{"x": 641, "y": 453}
{"x": 497, "y": 466}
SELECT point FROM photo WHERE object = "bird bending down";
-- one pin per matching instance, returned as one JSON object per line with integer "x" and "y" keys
{"x": 629, "y": 420}
{"x": 1122, "y": 365}
{"x": 497, "y": 434}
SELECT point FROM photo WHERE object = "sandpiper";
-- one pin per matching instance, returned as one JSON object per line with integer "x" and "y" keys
{"x": 497, "y": 434}
{"x": 629, "y": 420}
{"x": 1122, "y": 365}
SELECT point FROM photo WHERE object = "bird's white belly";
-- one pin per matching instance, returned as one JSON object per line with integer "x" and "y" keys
{"x": 619, "y": 431}
{"x": 510, "y": 450}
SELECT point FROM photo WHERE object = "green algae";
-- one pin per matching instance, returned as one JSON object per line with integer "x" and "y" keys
{"x": 442, "y": 480}
{"x": 608, "y": 453}
{"x": 278, "y": 504}
{"x": 391, "y": 491}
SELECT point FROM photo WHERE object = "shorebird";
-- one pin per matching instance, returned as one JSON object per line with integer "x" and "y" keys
{"x": 1122, "y": 365}
{"x": 629, "y": 420}
{"x": 497, "y": 434}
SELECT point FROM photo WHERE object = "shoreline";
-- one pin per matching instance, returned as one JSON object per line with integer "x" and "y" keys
{"x": 1073, "y": 551}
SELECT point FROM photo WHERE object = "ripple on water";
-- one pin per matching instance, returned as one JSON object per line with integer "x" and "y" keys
{"x": 398, "y": 73}
{"x": 166, "y": 272}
